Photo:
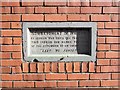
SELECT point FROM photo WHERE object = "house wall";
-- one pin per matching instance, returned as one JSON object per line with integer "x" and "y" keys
{"x": 17, "y": 73}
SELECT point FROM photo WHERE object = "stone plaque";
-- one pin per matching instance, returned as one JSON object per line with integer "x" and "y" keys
{"x": 65, "y": 41}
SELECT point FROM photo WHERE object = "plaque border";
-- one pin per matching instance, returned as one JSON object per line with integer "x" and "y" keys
{"x": 80, "y": 57}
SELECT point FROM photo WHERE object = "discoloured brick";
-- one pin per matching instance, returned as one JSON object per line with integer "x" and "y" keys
{"x": 78, "y": 76}
{"x": 67, "y": 84}
{"x": 110, "y": 83}
{"x": 40, "y": 67}
{"x": 77, "y": 17}
{"x": 56, "y": 76}
{"x": 11, "y": 62}
{"x": 6, "y": 84}
{"x": 77, "y": 66}
{"x": 11, "y": 33}
{"x": 32, "y": 17}
{"x": 84, "y": 66}
{"x": 34, "y": 77}
{"x": 5, "y": 70}
{"x": 23, "y": 84}
{"x": 25, "y": 67}
{"x": 8, "y": 77}
{"x": 69, "y": 67}
{"x": 55, "y": 17}
{"x": 46, "y": 84}
{"x": 89, "y": 83}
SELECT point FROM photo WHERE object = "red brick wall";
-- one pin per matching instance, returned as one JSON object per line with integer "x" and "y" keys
{"x": 16, "y": 73}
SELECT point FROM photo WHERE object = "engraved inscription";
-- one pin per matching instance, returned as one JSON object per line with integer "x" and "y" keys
{"x": 53, "y": 42}
{"x": 45, "y": 41}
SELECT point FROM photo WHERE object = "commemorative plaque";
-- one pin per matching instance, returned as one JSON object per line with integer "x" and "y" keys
{"x": 65, "y": 41}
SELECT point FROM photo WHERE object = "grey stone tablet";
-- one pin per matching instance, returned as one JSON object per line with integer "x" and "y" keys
{"x": 59, "y": 41}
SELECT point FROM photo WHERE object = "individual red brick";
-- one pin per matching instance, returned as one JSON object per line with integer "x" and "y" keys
{"x": 101, "y": 40}
{"x": 78, "y": 76}
{"x": 11, "y": 33}
{"x": 47, "y": 67}
{"x": 74, "y": 3}
{"x": 4, "y": 24}
{"x": 67, "y": 83}
{"x": 10, "y": 77}
{"x": 91, "y": 9}
{"x": 5, "y": 55}
{"x": 54, "y": 67}
{"x": 100, "y": 18}
{"x": 92, "y": 83}
{"x": 31, "y": 77}
{"x": 101, "y": 3}
{"x": 116, "y": 76}
{"x": 85, "y": 3}
{"x": 115, "y": 62}
{"x": 46, "y": 84}
{"x": 110, "y": 69}
{"x": 5, "y": 10}
{"x": 46, "y": 10}
{"x": 98, "y": 69}
{"x": 112, "y": 40}
{"x": 16, "y": 25}
{"x": 100, "y": 25}
{"x": 76, "y": 66}
{"x": 103, "y": 62}
{"x": 116, "y": 3}
{"x": 32, "y": 17}
{"x": 84, "y": 66}
{"x": 33, "y": 67}
{"x": 29, "y": 10}
{"x": 77, "y": 17}
{"x": 103, "y": 47}
{"x": 116, "y": 32}
{"x": 5, "y": 40}
{"x": 16, "y": 69}
{"x": 115, "y": 18}
{"x": 112, "y": 54}
{"x": 25, "y": 67}
{"x": 5, "y": 70}
{"x": 10, "y": 17}
{"x": 17, "y": 40}
{"x": 104, "y": 32}
{"x": 100, "y": 54}
{"x": 100, "y": 76}
{"x": 32, "y": 3}
{"x": 11, "y": 62}
{"x": 11, "y": 48}
{"x": 18, "y": 10}
{"x": 112, "y": 25}
{"x": 68, "y": 9}
{"x": 111, "y": 83}
{"x": 55, "y": 17}
{"x": 56, "y": 76}
{"x": 91, "y": 66}
{"x": 61, "y": 67}
{"x": 39, "y": 67}
{"x": 113, "y": 10}
{"x": 23, "y": 84}
{"x": 55, "y": 3}
{"x": 6, "y": 3}
{"x": 69, "y": 67}
{"x": 16, "y": 55}
{"x": 6, "y": 84}
{"x": 115, "y": 47}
